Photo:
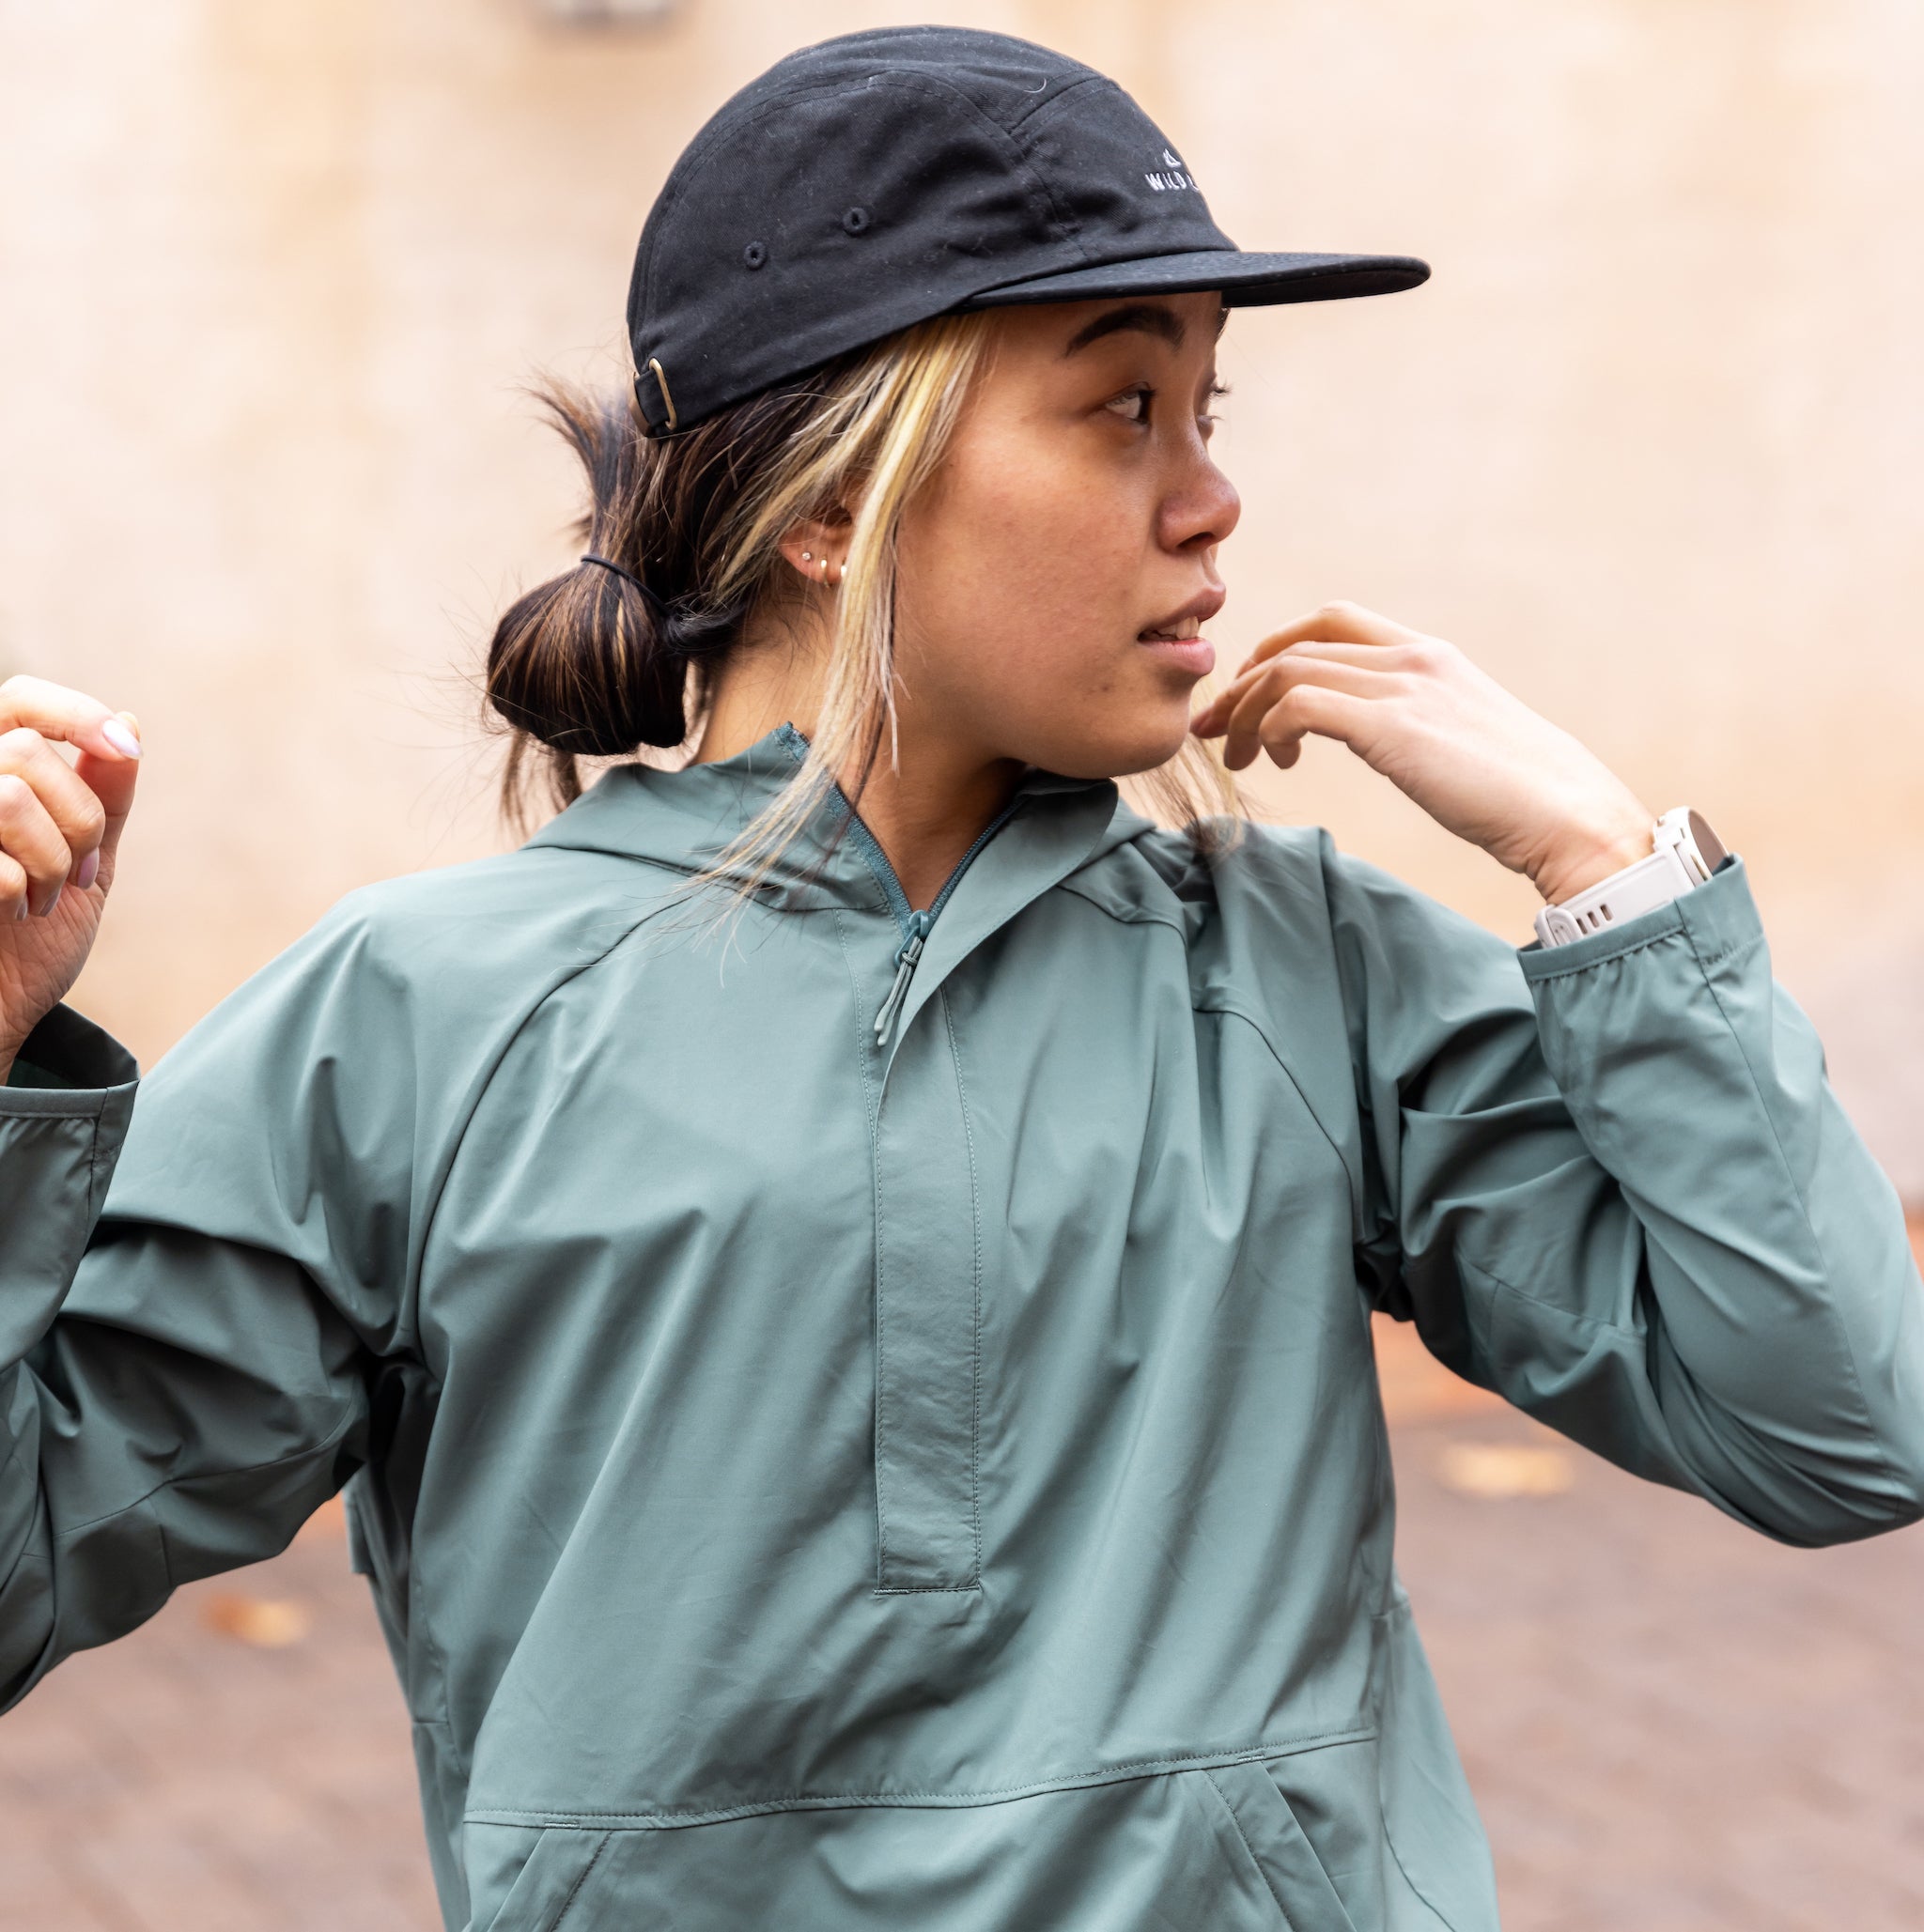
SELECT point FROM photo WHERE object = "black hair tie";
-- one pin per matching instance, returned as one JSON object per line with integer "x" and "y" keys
{"x": 655, "y": 603}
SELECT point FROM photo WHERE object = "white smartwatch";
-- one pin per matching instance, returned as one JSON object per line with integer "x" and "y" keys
{"x": 1687, "y": 851}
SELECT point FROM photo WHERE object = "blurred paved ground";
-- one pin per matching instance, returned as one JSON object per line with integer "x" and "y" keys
{"x": 1672, "y": 1726}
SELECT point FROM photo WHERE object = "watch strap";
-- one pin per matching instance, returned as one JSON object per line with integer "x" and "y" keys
{"x": 1686, "y": 853}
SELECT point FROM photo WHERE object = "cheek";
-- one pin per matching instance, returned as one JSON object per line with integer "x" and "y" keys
{"x": 1012, "y": 570}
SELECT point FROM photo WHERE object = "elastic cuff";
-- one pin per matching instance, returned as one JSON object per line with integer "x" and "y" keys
{"x": 1719, "y": 916}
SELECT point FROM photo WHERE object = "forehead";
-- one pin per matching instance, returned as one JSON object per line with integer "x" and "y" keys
{"x": 1187, "y": 322}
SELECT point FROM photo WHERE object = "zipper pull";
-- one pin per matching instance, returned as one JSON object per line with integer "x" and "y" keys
{"x": 905, "y": 955}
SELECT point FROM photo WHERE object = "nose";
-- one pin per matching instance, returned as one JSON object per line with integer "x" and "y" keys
{"x": 1201, "y": 508}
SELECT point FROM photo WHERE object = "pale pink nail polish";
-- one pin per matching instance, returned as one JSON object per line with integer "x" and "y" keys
{"x": 122, "y": 740}
{"x": 89, "y": 870}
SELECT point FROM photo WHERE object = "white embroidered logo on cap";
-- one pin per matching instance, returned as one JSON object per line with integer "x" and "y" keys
{"x": 1162, "y": 180}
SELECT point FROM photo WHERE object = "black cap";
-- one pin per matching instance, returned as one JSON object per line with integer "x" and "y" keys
{"x": 880, "y": 179}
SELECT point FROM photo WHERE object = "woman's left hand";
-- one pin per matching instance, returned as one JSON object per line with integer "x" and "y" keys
{"x": 1479, "y": 760}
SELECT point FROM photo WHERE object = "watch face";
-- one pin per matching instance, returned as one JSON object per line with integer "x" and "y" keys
{"x": 1709, "y": 846}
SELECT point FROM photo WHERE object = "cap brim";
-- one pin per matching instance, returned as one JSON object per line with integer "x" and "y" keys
{"x": 1247, "y": 281}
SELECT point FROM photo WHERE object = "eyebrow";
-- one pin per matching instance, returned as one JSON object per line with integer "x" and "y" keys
{"x": 1150, "y": 319}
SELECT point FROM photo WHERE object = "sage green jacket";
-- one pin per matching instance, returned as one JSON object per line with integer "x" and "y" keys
{"x": 836, "y": 1477}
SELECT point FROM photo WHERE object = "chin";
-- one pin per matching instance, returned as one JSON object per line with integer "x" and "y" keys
{"x": 1134, "y": 745}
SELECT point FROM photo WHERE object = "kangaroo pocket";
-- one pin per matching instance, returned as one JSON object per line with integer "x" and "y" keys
{"x": 528, "y": 1877}
{"x": 1217, "y": 1849}
{"x": 1278, "y": 1850}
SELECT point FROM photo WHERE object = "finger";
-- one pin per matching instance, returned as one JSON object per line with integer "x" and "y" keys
{"x": 1335, "y": 623}
{"x": 1368, "y": 658}
{"x": 1307, "y": 708}
{"x": 13, "y": 890}
{"x": 111, "y": 780}
{"x": 1289, "y": 672}
{"x": 73, "y": 717}
{"x": 29, "y": 837}
{"x": 69, "y": 801}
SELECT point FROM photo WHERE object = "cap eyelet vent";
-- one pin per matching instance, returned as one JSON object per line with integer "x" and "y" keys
{"x": 755, "y": 255}
{"x": 856, "y": 221}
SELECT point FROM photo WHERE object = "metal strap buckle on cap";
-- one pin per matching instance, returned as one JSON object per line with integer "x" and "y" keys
{"x": 660, "y": 376}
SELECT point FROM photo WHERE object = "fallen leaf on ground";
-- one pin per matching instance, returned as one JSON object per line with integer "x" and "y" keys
{"x": 268, "y": 1623}
{"x": 1505, "y": 1469}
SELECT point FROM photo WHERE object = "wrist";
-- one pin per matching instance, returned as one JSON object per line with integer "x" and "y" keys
{"x": 1588, "y": 857}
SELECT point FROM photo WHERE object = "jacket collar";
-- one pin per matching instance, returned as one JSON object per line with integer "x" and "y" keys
{"x": 682, "y": 820}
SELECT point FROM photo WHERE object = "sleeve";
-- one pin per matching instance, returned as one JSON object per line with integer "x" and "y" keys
{"x": 1610, "y": 1182}
{"x": 198, "y": 1279}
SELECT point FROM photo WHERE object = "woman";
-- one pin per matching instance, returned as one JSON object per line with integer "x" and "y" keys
{"x": 848, "y": 1336}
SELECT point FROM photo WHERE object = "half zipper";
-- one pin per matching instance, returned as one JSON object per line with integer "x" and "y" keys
{"x": 905, "y": 955}
{"x": 915, "y": 925}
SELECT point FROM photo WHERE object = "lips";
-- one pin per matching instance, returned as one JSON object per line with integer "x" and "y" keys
{"x": 1178, "y": 640}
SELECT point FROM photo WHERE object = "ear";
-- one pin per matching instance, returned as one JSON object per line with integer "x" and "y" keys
{"x": 817, "y": 549}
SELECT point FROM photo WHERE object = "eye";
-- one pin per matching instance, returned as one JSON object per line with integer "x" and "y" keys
{"x": 1209, "y": 419}
{"x": 1132, "y": 405}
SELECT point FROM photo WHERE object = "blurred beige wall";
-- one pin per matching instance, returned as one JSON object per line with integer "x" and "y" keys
{"x": 1651, "y": 445}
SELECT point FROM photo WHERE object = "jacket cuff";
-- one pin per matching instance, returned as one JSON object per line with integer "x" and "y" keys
{"x": 1719, "y": 916}
{"x": 65, "y": 1060}
{"x": 60, "y": 1134}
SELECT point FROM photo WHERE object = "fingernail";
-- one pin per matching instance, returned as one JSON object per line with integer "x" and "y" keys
{"x": 54, "y": 901}
{"x": 89, "y": 870}
{"x": 122, "y": 740}
{"x": 19, "y": 911}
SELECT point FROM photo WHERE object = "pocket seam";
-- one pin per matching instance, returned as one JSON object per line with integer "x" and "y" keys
{"x": 1243, "y": 1839}
{"x": 1127, "y": 1771}
{"x": 574, "y": 1890}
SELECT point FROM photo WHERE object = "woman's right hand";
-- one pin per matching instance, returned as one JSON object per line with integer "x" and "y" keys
{"x": 60, "y": 827}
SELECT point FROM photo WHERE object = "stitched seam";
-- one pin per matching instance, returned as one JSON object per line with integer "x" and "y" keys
{"x": 407, "y": 1338}
{"x": 1243, "y": 1839}
{"x": 94, "y": 1200}
{"x": 1132, "y": 915}
{"x": 574, "y": 1890}
{"x": 1255, "y": 1025}
{"x": 975, "y": 1284}
{"x": 1843, "y": 1333}
{"x": 1070, "y": 228}
{"x": 1127, "y": 1769}
{"x": 919, "y": 83}
{"x": 872, "y": 1107}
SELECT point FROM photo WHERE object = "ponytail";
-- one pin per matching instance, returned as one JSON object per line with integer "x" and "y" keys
{"x": 621, "y": 652}
{"x": 587, "y": 665}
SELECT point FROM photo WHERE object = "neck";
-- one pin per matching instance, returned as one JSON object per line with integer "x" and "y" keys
{"x": 925, "y": 812}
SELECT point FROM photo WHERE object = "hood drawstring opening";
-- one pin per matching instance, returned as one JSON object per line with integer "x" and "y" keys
{"x": 905, "y": 955}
